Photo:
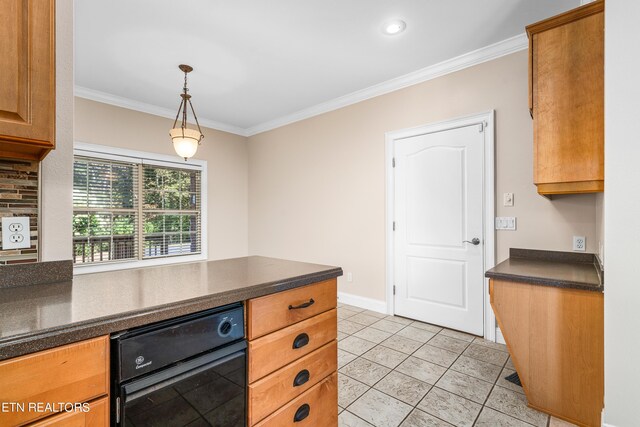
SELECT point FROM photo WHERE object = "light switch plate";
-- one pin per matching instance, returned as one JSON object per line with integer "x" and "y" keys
{"x": 15, "y": 232}
{"x": 506, "y": 223}
{"x": 507, "y": 199}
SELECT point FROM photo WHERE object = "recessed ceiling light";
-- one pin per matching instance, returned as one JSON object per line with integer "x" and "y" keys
{"x": 394, "y": 27}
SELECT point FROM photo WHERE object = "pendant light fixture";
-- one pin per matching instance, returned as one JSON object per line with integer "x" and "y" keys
{"x": 185, "y": 140}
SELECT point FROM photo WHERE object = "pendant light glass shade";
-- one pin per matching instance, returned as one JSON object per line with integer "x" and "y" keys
{"x": 185, "y": 140}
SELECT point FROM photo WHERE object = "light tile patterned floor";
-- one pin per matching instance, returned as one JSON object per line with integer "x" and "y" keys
{"x": 395, "y": 372}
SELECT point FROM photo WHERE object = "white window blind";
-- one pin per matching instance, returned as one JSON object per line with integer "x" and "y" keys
{"x": 128, "y": 210}
{"x": 105, "y": 210}
{"x": 171, "y": 211}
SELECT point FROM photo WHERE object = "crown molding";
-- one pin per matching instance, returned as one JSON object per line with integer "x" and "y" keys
{"x": 119, "y": 101}
{"x": 487, "y": 53}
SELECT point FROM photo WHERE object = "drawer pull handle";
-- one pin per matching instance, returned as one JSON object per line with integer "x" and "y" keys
{"x": 300, "y": 341}
{"x": 302, "y": 413}
{"x": 301, "y": 378}
{"x": 303, "y": 305}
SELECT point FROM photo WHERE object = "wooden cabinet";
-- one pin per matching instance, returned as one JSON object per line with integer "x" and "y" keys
{"x": 315, "y": 408}
{"x": 556, "y": 340}
{"x": 27, "y": 80}
{"x": 72, "y": 374}
{"x": 566, "y": 100}
{"x": 274, "y": 312}
{"x": 292, "y": 357}
{"x": 97, "y": 414}
{"x": 268, "y": 353}
{"x": 278, "y": 388}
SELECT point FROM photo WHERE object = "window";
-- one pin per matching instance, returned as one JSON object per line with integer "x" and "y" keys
{"x": 134, "y": 207}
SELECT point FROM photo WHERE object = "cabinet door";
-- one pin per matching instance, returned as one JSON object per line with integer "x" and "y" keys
{"x": 27, "y": 80}
{"x": 567, "y": 66}
{"x": 96, "y": 416}
{"x": 72, "y": 373}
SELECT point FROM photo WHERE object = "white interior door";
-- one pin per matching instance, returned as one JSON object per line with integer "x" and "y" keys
{"x": 438, "y": 206}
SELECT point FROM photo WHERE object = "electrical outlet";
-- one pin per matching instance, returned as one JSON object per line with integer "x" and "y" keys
{"x": 15, "y": 232}
{"x": 349, "y": 277}
{"x": 579, "y": 243}
{"x": 15, "y": 227}
{"x": 16, "y": 238}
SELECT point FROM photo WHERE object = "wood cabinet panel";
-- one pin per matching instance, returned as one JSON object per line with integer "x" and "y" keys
{"x": 322, "y": 401}
{"x": 556, "y": 339}
{"x": 27, "y": 81}
{"x": 273, "y": 351}
{"x": 292, "y": 357}
{"x": 512, "y": 315}
{"x": 567, "y": 100}
{"x": 273, "y": 312}
{"x": 273, "y": 391}
{"x": 73, "y": 373}
{"x": 97, "y": 416}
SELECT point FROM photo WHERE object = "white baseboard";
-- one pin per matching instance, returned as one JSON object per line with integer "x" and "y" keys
{"x": 363, "y": 302}
{"x": 381, "y": 307}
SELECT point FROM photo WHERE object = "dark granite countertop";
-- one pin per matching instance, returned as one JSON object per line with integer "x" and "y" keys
{"x": 42, "y": 316}
{"x": 551, "y": 268}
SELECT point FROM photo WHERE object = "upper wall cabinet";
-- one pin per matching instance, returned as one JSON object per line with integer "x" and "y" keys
{"x": 27, "y": 79}
{"x": 566, "y": 100}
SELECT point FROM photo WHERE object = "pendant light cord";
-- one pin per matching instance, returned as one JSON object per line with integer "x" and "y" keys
{"x": 183, "y": 107}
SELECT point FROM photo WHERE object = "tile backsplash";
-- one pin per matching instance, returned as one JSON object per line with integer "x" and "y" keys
{"x": 19, "y": 197}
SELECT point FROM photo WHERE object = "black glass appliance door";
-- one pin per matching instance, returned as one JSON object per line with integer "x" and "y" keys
{"x": 198, "y": 393}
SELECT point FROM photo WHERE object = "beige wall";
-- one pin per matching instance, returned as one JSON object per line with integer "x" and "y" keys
{"x": 316, "y": 187}
{"x": 56, "y": 176}
{"x": 225, "y": 153}
{"x": 314, "y": 190}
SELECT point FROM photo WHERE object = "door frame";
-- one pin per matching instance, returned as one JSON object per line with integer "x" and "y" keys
{"x": 487, "y": 119}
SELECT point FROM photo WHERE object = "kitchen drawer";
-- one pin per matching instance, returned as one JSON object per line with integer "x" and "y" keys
{"x": 273, "y": 351}
{"x": 97, "y": 416}
{"x": 322, "y": 405}
{"x": 72, "y": 373}
{"x": 275, "y": 390}
{"x": 272, "y": 312}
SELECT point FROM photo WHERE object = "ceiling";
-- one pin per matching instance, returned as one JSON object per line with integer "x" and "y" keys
{"x": 260, "y": 62}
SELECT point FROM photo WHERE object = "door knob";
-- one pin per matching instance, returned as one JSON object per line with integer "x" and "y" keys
{"x": 475, "y": 241}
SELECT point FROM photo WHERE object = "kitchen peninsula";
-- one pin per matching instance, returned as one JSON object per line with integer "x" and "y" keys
{"x": 50, "y": 326}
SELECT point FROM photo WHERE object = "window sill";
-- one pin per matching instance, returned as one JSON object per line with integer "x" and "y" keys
{"x": 126, "y": 265}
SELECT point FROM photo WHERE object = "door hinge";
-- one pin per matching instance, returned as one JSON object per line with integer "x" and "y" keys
{"x": 394, "y": 289}
{"x": 481, "y": 127}
{"x": 393, "y": 162}
{"x": 394, "y": 226}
